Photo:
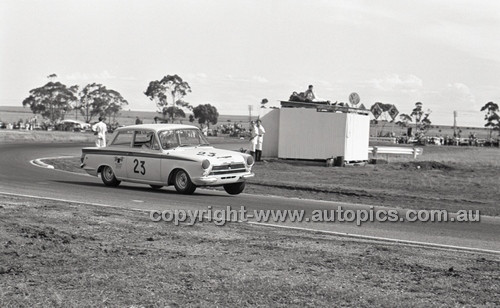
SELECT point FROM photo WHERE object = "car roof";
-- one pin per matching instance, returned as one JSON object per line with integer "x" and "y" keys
{"x": 157, "y": 127}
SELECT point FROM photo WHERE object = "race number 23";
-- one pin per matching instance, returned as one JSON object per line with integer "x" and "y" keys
{"x": 139, "y": 167}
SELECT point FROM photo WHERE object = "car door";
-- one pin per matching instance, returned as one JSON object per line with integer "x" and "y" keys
{"x": 169, "y": 142}
{"x": 120, "y": 147}
{"x": 144, "y": 161}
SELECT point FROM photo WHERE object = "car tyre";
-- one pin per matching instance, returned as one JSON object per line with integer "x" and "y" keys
{"x": 235, "y": 188}
{"x": 156, "y": 186}
{"x": 108, "y": 177}
{"x": 183, "y": 184}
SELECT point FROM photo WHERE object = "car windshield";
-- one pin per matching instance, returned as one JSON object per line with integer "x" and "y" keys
{"x": 182, "y": 137}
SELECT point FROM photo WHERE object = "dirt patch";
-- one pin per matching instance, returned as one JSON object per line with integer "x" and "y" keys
{"x": 60, "y": 254}
{"x": 426, "y": 165}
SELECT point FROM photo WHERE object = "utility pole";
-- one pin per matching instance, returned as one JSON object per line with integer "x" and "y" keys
{"x": 454, "y": 123}
{"x": 250, "y": 108}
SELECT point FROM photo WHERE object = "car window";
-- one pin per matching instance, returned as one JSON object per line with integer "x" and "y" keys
{"x": 143, "y": 138}
{"x": 191, "y": 137}
{"x": 168, "y": 139}
{"x": 154, "y": 144}
{"x": 123, "y": 139}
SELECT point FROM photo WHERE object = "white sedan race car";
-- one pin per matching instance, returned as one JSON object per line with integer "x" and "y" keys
{"x": 167, "y": 154}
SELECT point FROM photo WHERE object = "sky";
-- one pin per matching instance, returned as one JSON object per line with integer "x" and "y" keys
{"x": 234, "y": 53}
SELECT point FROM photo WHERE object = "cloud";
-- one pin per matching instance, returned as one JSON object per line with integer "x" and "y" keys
{"x": 460, "y": 96}
{"x": 394, "y": 82}
{"x": 260, "y": 79}
{"x": 104, "y": 75}
{"x": 128, "y": 78}
{"x": 77, "y": 76}
{"x": 201, "y": 75}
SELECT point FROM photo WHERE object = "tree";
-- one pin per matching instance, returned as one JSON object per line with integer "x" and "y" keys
{"x": 52, "y": 100}
{"x": 174, "y": 112}
{"x": 421, "y": 117}
{"x": 115, "y": 104}
{"x": 169, "y": 90}
{"x": 156, "y": 92}
{"x": 492, "y": 118}
{"x": 263, "y": 103}
{"x": 97, "y": 100}
{"x": 206, "y": 114}
{"x": 52, "y": 77}
{"x": 404, "y": 120}
{"x": 87, "y": 96}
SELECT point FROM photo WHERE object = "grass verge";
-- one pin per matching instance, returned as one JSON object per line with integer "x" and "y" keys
{"x": 21, "y": 136}
{"x": 59, "y": 254}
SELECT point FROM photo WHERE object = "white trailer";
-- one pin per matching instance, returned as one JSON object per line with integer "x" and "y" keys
{"x": 319, "y": 134}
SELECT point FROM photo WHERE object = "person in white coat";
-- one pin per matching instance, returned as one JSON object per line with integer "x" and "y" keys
{"x": 254, "y": 136}
{"x": 260, "y": 140}
{"x": 100, "y": 129}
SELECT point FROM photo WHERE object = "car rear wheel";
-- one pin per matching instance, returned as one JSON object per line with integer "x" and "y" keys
{"x": 183, "y": 184}
{"x": 108, "y": 177}
{"x": 235, "y": 188}
{"x": 156, "y": 186}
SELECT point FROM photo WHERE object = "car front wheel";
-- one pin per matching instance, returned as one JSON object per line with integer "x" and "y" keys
{"x": 108, "y": 177}
{"x": 183, "y": 184}
{"x": 235, "y": 188}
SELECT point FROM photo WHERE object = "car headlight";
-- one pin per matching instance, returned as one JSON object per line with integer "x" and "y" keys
{"x": 205, "y": 164}
{"x": 250, "y": 160}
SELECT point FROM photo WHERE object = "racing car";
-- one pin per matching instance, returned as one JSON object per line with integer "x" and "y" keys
{"x": 167, "y": 154}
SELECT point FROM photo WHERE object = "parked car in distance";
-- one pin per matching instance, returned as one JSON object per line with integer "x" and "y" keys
{"x": 72, "y": 126}
{"x": 167, "y": 154}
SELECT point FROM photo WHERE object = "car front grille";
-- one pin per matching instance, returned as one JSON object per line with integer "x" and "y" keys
{"x": 228, "y": 169}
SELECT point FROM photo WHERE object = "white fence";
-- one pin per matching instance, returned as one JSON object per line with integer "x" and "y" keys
{"x": 395, "y": 150}
{"x": 383, "y": 139}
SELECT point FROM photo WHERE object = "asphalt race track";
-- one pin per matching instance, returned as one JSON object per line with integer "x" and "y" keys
{"x": 19, "y": 176}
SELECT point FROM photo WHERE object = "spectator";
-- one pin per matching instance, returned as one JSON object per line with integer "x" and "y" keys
{"x": 260, "y": 139}
{"x": 100, "y": 129}
{"x": 309, "y": 94}
{"x": 254, "y": 130}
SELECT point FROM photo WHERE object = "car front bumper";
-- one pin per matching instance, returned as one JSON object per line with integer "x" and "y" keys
{"x": 217, "y": 180}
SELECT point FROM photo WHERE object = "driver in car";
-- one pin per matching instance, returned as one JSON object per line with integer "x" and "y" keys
{"x": 148, "y": 145}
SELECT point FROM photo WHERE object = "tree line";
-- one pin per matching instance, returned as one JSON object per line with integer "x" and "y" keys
{"x": 54, "y": 100}
{"x": 420, "y": 117}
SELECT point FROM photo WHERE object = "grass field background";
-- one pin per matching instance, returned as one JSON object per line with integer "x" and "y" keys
{"x": 127, "y": 117}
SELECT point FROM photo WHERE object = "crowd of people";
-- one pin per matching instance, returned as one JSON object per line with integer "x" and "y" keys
{"x": 27, "y": 124}
{"x": 457, "y": 140}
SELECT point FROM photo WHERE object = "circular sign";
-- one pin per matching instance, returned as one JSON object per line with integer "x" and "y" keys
{"x": 354, "y": 98}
